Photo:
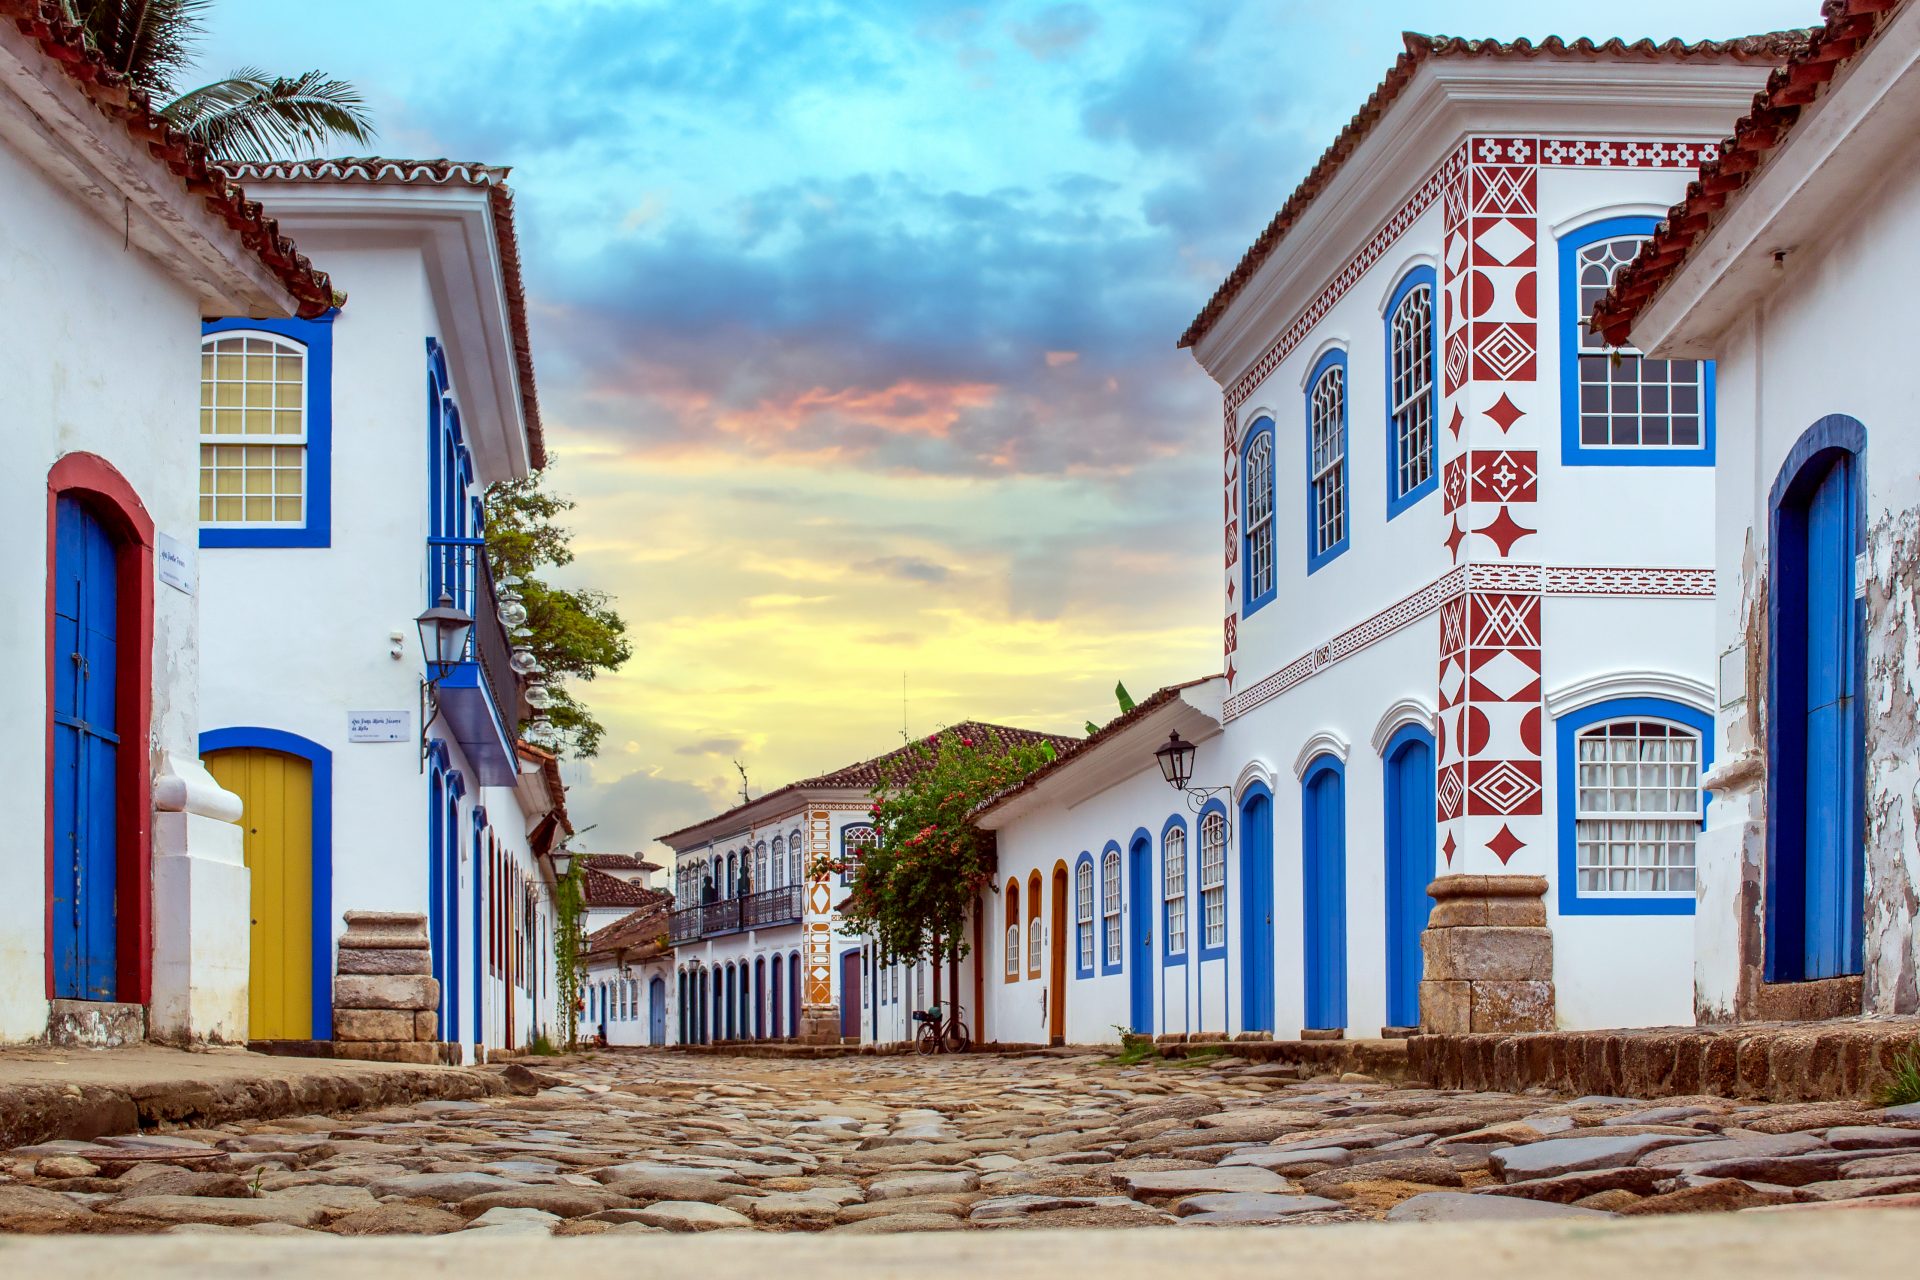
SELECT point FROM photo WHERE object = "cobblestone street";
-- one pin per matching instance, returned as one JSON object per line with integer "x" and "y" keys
{"x": 862, "y": 1145}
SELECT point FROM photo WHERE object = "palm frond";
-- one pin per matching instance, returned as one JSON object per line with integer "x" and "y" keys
{"x": 251, "y": 116}
{"x": 149, "y": 41}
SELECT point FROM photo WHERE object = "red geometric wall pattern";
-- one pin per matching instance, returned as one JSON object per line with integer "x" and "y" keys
{"x": 1489, "y": 795}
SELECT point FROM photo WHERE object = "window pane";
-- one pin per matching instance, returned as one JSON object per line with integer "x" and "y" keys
{"x": 1638, "y": 814}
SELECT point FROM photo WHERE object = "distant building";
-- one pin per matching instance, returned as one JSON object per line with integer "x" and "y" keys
{"x": 628, "y": 988}
{"x": 126, "y": 904}
{"x": 1781, "y": 265}
{"x": 759, "y": 949}
{"x": 343, "y": 461}
{"x": 1467, "y": 568}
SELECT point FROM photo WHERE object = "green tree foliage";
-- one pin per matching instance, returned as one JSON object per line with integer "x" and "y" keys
{"x": 913, "y": 888}
{"x": 569, "y": 947}
{"x": 249, "y": 115}
{"x": 1121, "y": 696}
{"x": 576, "y": 632}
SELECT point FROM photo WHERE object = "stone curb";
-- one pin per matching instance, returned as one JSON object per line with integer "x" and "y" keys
{"x": 43, "y": 1112}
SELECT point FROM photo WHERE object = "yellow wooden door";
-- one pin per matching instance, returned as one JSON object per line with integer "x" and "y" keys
{"x": 276, "y": 792}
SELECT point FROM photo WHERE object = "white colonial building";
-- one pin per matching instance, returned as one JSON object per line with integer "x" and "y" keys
{"x": 628, "y": 995}
{"x": 126, "y": 905}
{"x": 758, "y": 943}
{"x": 1782, "y": 266}
{"x": 343, "y": 459}
{"x": 1468, "y": 576}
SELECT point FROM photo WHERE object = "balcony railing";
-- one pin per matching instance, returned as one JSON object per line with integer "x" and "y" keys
{"x": 485, "y": 729}
{"x": 772, "y": 906}
{"x": 761, "y": 910}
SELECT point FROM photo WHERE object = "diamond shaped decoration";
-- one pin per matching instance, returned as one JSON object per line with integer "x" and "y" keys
{"x": 1504, "y": 351}
{"x": 1503, "y": 675}
{"x": 1505, "y": 412}
{"x": 1505, "y": 844}
{"x": 1503, "y": 242}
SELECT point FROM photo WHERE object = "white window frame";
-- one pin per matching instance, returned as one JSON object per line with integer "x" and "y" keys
{"x": 1327, "y": 488}
{"x": 208, "y": 438}
{"x": 1173, "y": 857}
{"x": 796, "y": 857}
{"x": 1412, "y": 388}
{"x": 1083, "y": 912}
{"x": 1623, "y": 371}
{"x": 777, "y": 865}
{"x": 1213, "y": 879}
{"x": 1258, "y": 483}
{"x": 1013, "y": 949}
{"x": 1036, "y": 938}
{"x": 1110, "y": 905}
{"x": 1641, "y": 852}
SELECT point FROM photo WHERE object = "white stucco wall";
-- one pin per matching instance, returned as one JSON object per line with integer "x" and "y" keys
{"x": 300, "y": 637}
{"x": 102, "y": 359}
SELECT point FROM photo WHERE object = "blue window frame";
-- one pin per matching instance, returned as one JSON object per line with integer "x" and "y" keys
{"x": 1084, "y": 936}
{"x": 1176, "y": 921}
{"x": 1323, "y": 905}
{"x": 315, "y": 529}
{"x": 1413, "y": 390}
{"x": 1113, "y": 945}
{"x": 1257, "y": 566}
{"x": 1617, "y": 407}
{"x": 1328, "y": 518}
{"x": 1619, "y": 855}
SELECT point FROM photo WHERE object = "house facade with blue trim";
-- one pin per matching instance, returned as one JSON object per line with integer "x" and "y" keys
{"x": 1467, "y": 578}
{"x": 343, "y": 466}
{"x": 1776, "y": 270}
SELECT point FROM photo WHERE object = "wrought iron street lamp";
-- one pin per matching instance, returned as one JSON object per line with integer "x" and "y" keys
{"x": 443, "y": 641}
{"x": 1176, "y": 766}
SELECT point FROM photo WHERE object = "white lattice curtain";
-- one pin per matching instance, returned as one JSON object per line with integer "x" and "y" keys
{"x": 1329, "y": 410}
{"x": 1412, "y": 380}
{"x": 1638, "y": 813}
{"x": 253, "y": 430}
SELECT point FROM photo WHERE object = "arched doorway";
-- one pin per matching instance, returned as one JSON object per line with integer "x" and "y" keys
{"x": 1256, "y": 909}
{"x": 657, "y": 1011}
{"x": 1057, "y": 959}
{"x": 1140, "y": 881}
{"x": 1817, "y": 726}
{"x": 794, "y": 1006}
{"x": 1410, "y": 868}
{"x": 1324, "y": 891}
{"x": 285, "y": 788}
{"x": 850, "y": 997}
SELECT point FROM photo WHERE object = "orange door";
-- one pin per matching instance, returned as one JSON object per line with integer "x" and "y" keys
{"x": 1057, "y": 987}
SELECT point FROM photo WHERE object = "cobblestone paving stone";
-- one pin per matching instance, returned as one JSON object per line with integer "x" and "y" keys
{"x": 635, "y": 1143}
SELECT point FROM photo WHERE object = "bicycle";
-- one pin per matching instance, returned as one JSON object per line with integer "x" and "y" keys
{"x": 937, "y": 1036}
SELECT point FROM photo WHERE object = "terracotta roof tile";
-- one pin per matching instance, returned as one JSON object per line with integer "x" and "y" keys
{"x": 1849, "y": 28}
{"x": 603, "y": 890}
{"x": 385, "y": 170}
{"x": 868, "y": 774}
{"x": 619, "y": 862}
{"x": 642, "y": 935}
{"x": 1769, "y": 47}
{"x": 65, "y": 43}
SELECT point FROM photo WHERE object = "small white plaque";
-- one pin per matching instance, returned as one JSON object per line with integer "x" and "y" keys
{"x": 175, "y": 561}
{"x": 379, "y": 726}
{"x": 1733, "y": 675}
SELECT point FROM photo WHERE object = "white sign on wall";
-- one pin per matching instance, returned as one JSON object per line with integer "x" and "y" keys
{"x": 175, "y": 562}
{"x": 379, "y": 726}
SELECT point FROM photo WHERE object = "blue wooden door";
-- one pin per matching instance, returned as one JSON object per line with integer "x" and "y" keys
{"x": 1140, "y": 936}
{"x": 86, "y": 743}
{"x": 1832, "y": 935}
{"x": 1324, "y": 900}
{"x": 1410, "y": 867}
{"x": 1256, "y": 911}
{"x": 657, "y": 1011}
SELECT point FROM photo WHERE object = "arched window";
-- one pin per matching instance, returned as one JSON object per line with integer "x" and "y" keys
{"x": 1413, "y": 403}
{"x": 1083, "y": 916}
{"x": 733, "y": 874}
{"x": 760, "y": 866}
{"x": 1173, "y": 857}
{"x": 796, "y": 858}
{"x": 1213, "y": 880}
{"x": 1619, "y": 406}
{"x": 854, "y": 841}
{"x": 1034, "y": 937}
{"x": 1256, "y": 478}
{"x": 1110, "y": 910}
{"x": 778, "y": 866}
{"x": 1637, "y": 807}
{"x": 1013, "y": 931}
{"x": 1327, "y": 460}
{"x": 253, "y": 429}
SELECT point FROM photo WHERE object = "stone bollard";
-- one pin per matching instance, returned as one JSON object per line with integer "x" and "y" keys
{"x": 384, "y": 997}
{"x": 1489, "y": 956}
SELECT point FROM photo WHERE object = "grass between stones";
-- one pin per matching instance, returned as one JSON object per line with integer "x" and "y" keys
{"x": 1902, "y": 1084}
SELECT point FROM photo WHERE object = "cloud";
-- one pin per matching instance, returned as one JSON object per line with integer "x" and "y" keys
{"x": 1055, "y": 32}
{"x": 719, "y": 746}
{"x": 907, "y": 568}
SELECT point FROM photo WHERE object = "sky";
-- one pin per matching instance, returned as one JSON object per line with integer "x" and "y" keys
{"x": 855, "y": 330}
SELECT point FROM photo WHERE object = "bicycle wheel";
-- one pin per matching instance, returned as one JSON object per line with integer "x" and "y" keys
{"x": 929, "y": 1041}
{"x": 958, "y": 1041}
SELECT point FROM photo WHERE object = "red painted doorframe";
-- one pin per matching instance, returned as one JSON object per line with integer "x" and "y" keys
{"x": 114, "y": 503}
